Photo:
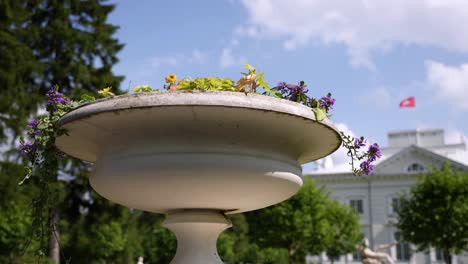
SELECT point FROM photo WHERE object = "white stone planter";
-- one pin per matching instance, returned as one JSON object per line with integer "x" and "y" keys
{"x": 183, "y": 153}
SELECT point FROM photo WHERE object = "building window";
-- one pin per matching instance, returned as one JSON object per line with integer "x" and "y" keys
{"x": 334, "y": 258}
{"x": 439, "y": 254}
{"x": 394, "y": 205}
{"x": 357, "y": 256}
{"x": 357, "y": 206}
{"x": 415, "y": 167}
{"x": 403, "y": 250}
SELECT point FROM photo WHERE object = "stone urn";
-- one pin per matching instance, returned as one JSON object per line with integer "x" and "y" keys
{"x": 196, "y": 156}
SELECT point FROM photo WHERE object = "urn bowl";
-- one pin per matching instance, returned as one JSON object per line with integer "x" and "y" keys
{"x": 177, "y": 150}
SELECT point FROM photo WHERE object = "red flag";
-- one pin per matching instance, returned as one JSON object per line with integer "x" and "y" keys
{"x": 408, "y": 102}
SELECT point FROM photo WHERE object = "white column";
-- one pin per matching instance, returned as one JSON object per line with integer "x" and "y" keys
{"x": 197, "y": 232}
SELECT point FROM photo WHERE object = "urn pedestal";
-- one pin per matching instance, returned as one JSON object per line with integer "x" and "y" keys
{"x": 196, "y": 156}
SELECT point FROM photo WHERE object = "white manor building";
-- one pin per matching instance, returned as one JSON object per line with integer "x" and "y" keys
{"x": 373, "y": 197}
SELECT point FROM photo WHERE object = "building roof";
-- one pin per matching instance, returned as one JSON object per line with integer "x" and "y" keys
{"x": 430, "y": 150}
{"x": 416, "y": 150}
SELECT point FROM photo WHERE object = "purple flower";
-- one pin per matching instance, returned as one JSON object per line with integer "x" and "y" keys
{"x": 374, "y": 152}
{"x": 33, "y": 124}
{"x": 33, "y": 131}
{"x": 27, "y": 148}
{"x": 55, "y": 97}
{"x": 359, "y": 142}
{"x": 367, "y": 167}
{"x": 291, "y": 91}
{"x": 327, "y": 102}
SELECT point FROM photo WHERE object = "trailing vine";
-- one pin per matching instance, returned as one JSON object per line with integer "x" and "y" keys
{"x": 42, "y": 158}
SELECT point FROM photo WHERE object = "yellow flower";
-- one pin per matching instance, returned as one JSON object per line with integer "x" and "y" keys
{"x": 171, "y": 78}
{"x": 106, "y": 92}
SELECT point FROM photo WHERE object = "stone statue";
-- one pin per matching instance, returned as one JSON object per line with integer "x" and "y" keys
{"x": 140, "y": 260}
{"x": 375, "y": 257}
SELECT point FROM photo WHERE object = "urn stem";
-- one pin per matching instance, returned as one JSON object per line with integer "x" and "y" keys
{"x": 197, "y": 232}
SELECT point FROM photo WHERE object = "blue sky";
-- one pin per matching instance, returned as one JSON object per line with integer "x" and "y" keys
{"x": 369, "y": 54}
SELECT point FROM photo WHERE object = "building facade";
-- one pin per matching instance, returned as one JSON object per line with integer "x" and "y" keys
{"x": 374, "y": 197}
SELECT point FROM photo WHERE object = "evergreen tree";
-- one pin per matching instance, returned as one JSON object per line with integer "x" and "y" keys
{"x": 51, "y": 42}
{"x": 18, "y": 66}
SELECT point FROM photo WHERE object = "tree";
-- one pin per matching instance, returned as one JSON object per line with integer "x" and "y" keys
{"x": 233, "y": 243}
{"x": 17, "y": 68}
{"x": 158, "y": 243}
{"x": 51, "y": 42}
{"x": 14, "y": 219}
{"x": 104, "y": 232}
{"x": 435, "y": 212}
{"x": 301, "y": 225}
{"x": 235, "y": 246}
{"x": 343, "y": 231}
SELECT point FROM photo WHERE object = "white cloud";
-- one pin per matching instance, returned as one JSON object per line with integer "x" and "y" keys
{"x": 449, "y": 83}
{"x": 196, "y": 57}
{"x": 338, "y": 159}
{"x": 228, "y": 59}
{"x": 363, "y": 26}
{"x": 378, "y": 98}
{"x": 165, "y": 61}
{"x": 246, "y": 31}
{"x": 453, "y": 136}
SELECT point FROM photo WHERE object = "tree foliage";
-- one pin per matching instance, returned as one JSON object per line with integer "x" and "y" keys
{"x": 158, "y": 243}
{"x": 344, "y": 230}
{"x": 435, "y": 211}
{"x": 51, "y": 42}
{"x": 15, "y": 218}
{"x": 307, "y": 223}
{"x": 45, "y": 43}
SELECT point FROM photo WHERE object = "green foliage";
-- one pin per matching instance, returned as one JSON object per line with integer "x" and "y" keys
{"x": 18, "y": 65}
{"x": 47, "y": 42}
{"x": 15, "y": 216}
{"x": 343, "y": 231}
{"x": 14, "y": 226}
{"x": 109, "y": 237}
{"x": 233, "y": 243}
{"x": 15, "y": 219}
{"x": 142, "y": 89}
{"x": 207, "y": 84}
{"x": 235, "y": 246}
{"x": 103, "y": 233}
{"x": 320, "y": 113}
{"x": 87, "y": 98}
{"x": 435, "y": 212}
{"x": 159, "y": 244}
{"x": 303, "y": 225}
